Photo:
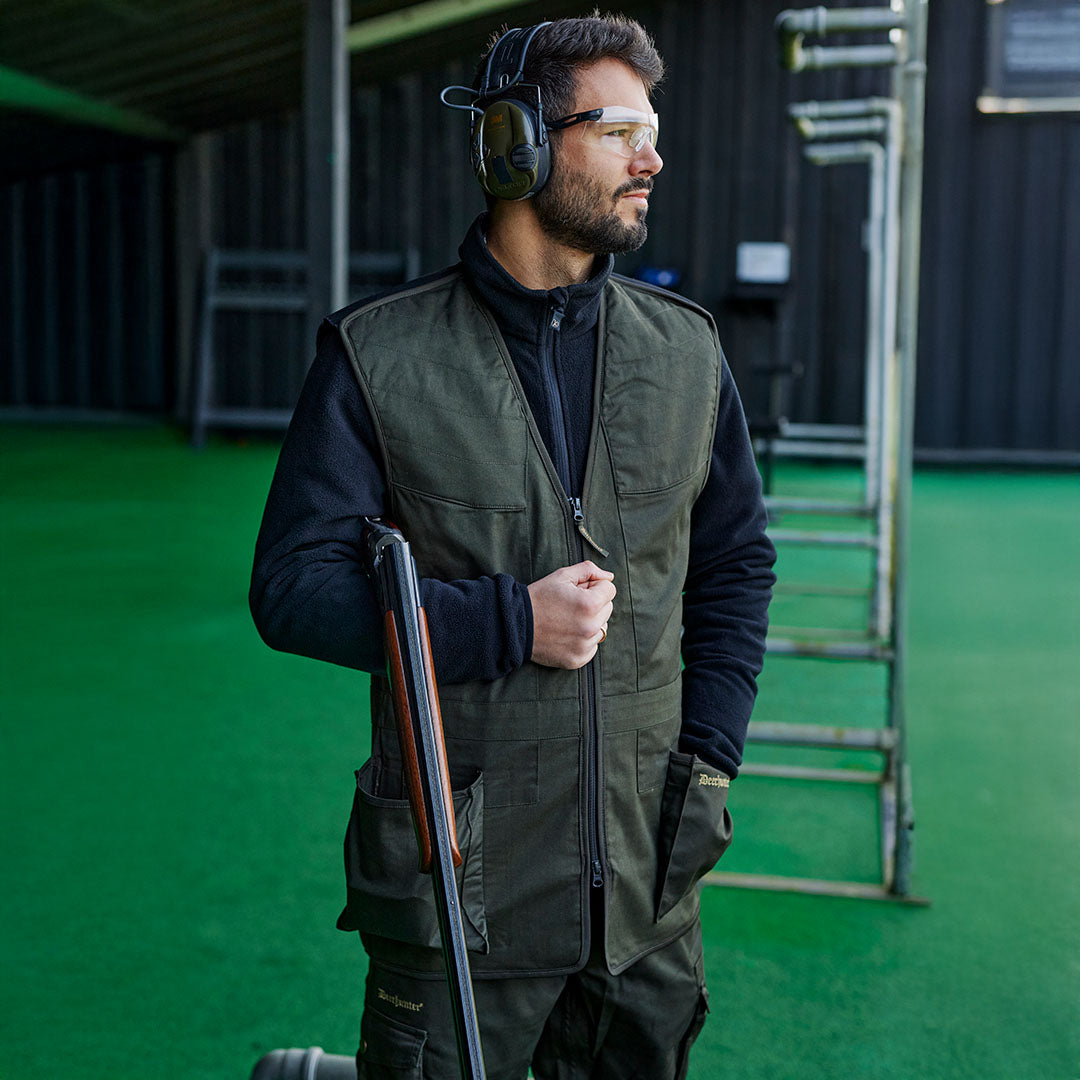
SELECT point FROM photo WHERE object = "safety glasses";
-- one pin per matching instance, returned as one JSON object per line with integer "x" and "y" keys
{"x": 622, "y": 131}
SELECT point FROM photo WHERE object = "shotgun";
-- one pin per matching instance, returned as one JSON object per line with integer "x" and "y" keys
{"x": 419, "y": 722}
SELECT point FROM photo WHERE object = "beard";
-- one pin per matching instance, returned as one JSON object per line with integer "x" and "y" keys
{"x": 575, "y": 210}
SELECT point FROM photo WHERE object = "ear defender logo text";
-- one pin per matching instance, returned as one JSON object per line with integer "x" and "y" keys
{"x": 713, "y": 781}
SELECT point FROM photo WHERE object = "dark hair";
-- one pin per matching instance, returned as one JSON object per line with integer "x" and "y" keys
{"x": 563, "y": 46}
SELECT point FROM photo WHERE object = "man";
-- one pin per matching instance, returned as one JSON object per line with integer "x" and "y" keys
{"x": 567, "y": 453}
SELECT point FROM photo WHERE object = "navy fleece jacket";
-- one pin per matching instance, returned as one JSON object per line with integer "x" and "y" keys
{"x": 310, "y": 593}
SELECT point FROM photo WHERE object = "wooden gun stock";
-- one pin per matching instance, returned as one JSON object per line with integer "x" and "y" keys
{"x": 407, "y": 739}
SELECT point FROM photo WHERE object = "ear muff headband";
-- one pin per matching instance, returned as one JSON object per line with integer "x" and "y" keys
{"x": 506, "y": 61}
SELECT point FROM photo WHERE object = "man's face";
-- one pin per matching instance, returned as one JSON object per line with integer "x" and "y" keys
{"x": 596, "y": 199}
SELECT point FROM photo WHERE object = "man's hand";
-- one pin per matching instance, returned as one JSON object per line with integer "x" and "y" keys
{"x": 571, "y": 608}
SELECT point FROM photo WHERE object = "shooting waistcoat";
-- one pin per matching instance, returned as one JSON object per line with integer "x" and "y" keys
{"x": 560, "y": 777}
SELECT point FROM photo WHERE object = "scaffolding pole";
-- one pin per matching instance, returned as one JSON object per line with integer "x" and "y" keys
{"x": 839, "y": 132}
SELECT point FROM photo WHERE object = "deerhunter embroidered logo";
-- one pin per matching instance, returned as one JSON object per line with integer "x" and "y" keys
{"x": 713, "y": 781}
{"x": 400, "y": 1002}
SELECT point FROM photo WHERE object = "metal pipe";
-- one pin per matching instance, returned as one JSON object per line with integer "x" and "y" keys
{"x": 813, "y": 110}
{"x": 793, "y": 26}
{"x": 884, "y": 484}
{"x": 814, "y": 588}
{"x": 821, "y": 57}
{"x": 822, "y": 20}
{"x": 326, "y": 130}
{"x": 849, "y": 890}
{"x": 845, "y": 153}
{"x": 855, "y": 432}
{"x": 784, "y": 645}
{"x": 804, "y": 772}
{"x": 793, "y": 504}
{"x": 822, "y": 735}
{"x": 887, "y": 826}
{"x": 909, "y": 84}
{"x": 812, "y": 449}
{"x": 848, "y": 127}
{"x": 825, "y": 539}
{"x": 817, "y": 634}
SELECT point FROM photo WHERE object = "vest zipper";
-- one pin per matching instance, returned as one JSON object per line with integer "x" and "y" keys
{"x": 561, "y": 448}
{"x": 579, "y": 520}
{"x": 593, "y": 781}
{"x": 562, "y": 467}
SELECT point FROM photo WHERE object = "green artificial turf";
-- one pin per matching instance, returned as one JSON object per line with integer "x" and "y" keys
{"x": 173, "y": 795}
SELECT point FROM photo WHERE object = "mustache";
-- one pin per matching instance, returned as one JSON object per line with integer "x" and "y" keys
{"x": 641, "y": 183}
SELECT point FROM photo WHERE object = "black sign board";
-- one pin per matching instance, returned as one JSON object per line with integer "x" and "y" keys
{"x": 1032, "y": 56}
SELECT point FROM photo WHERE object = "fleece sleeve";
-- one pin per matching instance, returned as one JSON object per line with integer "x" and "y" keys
{"x": 310, "y": 592}
{"x": 726, "y": 598}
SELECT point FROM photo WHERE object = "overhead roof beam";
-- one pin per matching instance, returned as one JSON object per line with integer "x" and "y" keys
{"x": 27, "y": 93}
{"x": 419, "y": 19}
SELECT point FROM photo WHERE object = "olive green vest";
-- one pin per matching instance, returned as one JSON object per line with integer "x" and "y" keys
{"x": 472, "y": 486}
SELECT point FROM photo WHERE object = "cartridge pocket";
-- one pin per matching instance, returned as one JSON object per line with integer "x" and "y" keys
{"x": 386, "y": 893}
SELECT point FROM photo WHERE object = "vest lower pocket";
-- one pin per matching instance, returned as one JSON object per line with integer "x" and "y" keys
{"x": 695, "y": 827}
{"x": 387, "y": 894}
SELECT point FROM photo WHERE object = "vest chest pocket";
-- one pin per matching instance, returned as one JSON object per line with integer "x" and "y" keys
{"x": 658, "y": 418}
{"x": 653, "y": 457}
{"x": 461, "y": 459}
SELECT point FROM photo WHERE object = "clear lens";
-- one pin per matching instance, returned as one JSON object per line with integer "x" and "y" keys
{"x": 622, "y": 131}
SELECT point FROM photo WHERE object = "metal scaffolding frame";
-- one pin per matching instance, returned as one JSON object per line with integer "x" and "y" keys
{"x": 886, "y": 134}
{"x": 260, "y": 282}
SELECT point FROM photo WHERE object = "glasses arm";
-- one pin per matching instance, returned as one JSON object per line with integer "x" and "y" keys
{"x": 574, "y": 118}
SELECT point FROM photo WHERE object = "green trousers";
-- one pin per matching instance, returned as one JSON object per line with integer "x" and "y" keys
{"x": 591, "y": 1025}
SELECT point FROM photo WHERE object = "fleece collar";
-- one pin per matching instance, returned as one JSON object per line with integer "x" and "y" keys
{"x": 526, "y": 313}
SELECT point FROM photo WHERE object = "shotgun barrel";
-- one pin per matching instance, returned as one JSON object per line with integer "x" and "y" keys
{"x": 423, "y": 751}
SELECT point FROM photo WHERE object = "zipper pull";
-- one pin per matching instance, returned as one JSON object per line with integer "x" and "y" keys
{"x": 557, "y": 318}
{"x": 597, "y": 874}
{"x": 579, "y": 521}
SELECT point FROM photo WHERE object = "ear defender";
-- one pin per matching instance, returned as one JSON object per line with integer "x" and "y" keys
{"x": 511, "y": 155}
{"x": 511, "y": 158}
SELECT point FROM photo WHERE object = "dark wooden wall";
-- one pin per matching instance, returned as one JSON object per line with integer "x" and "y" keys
{"x": 91, "y": 316}
{"x": 999, "y": 343}
{"x": 85, "y": 276}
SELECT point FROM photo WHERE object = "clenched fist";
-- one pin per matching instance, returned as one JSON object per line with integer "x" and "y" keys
{"x": 571, "y": 608}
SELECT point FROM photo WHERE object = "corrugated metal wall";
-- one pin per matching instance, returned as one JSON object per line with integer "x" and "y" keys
{"x": 1001, "y": 242}
{"x": 999, "y": 344}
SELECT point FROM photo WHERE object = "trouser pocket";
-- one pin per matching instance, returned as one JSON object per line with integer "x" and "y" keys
{"x": 695, "y": 827}
{"x": 389, "y": 1049}
{"x": 387, "y": 894}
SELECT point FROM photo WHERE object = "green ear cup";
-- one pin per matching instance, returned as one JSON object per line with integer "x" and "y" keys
{"x": 510, "y": 161}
